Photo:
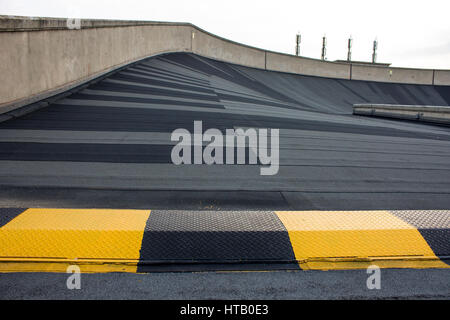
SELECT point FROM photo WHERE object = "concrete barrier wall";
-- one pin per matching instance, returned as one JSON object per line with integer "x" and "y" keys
{"x": 208, "y": 45}
{"x": 41, "y": 56}
{"x": 442, "y": 77}
{"x": 41, "y": 60}
{"x": 435, "y": 114}
{"x": 287, "y": 63}
{"x": 386, "y": 74}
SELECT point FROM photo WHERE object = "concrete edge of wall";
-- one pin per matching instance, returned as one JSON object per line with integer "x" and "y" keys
{"x": 434, "y": 114}
{"x": 21, "y": 23}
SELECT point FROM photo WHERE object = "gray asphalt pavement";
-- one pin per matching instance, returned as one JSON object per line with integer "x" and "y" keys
{"x": 115, "y": 135}
{"x": 349, "y": 284}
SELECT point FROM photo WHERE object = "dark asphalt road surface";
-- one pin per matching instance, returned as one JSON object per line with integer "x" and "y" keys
{"x": 349, "y": 284}
{"x": 115, "y": 135}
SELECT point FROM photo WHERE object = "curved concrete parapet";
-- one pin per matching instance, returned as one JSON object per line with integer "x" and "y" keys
{"x": 387, "y": 74}
{"x": 40, "y": 57}
{"x": 211, "y": 46}
{"x": 442, "y": 77}
{"x": 420, "y": 113}
{"x": 306, "y": 66}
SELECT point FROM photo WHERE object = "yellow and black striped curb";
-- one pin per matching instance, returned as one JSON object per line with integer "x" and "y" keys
{"x": 107, "y": 240}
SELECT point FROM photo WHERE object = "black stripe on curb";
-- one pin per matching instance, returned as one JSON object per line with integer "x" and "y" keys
{"x": 215, "y": 240}
{"x": 7, "y": 214}
{"x": 434, "y": 226}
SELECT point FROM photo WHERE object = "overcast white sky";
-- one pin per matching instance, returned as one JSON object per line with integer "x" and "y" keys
{"x": 410, "y": 33}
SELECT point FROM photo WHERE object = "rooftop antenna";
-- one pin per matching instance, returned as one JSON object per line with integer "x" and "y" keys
{"x": 324, "y": 47}
{"x": 298, "y": 40}
{"x": 374, "y": 54}
{"x": 349, "y": 53}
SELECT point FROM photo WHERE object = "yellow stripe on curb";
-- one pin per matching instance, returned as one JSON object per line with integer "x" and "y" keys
{"x": 97, "y": 240}
{"x": 326, "y": 240}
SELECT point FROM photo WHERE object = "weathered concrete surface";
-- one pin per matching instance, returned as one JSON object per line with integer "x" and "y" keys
{"x": 313, "y": 67}
{"x": 398, "y": 75}
{"x": 442, "y": 77}
{"x": 34, "y": 62}
{"x": 211, "y": 46}
{"x": 419, "y": 113}
{"x": 42, "y": 56}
